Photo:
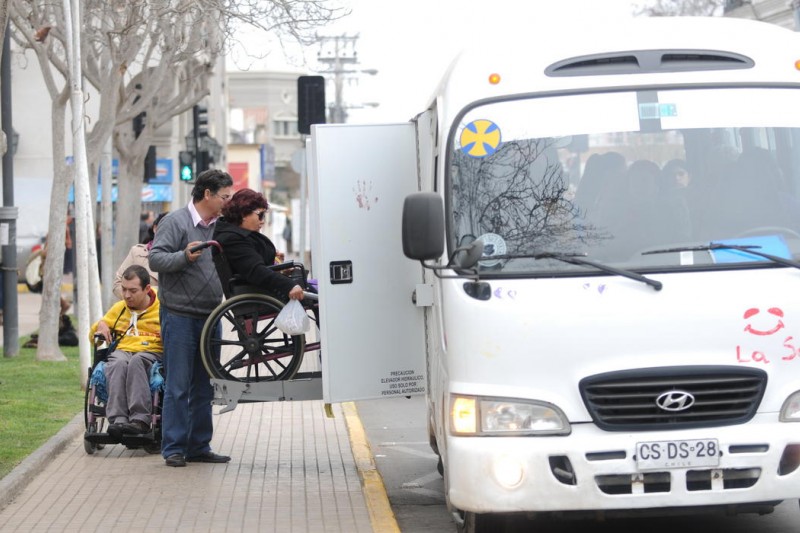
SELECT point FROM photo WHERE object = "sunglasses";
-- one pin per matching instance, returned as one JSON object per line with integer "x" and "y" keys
{"x": 260, "y": 214}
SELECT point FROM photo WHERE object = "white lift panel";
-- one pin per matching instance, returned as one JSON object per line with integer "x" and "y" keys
{"x": 372, "y": 331}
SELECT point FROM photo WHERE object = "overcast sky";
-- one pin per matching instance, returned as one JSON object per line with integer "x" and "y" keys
{"x": 411, "y": 42}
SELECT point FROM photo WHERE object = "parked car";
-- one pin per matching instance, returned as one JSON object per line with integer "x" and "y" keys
{"x": 32, "y": 272}
{"x": 32, "y": 197}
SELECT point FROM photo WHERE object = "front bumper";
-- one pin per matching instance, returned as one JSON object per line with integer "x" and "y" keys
{"x": 593, "y": 469}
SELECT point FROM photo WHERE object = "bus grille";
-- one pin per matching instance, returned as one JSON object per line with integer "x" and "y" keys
{"x": 700, "y": 396}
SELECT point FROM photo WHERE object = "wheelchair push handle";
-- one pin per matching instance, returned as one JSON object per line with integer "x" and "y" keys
{"x": 204, "y": 245}
{"x": 314, "y": 297}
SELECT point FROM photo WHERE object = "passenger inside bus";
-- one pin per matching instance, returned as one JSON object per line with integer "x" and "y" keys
{"x": 754, "y": 195}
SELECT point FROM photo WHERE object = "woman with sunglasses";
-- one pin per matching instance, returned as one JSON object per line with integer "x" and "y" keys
{"x": 247, "y": 250}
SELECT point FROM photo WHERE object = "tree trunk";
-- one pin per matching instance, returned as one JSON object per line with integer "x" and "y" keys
{"x": 50, "y": 312}
{"x": 107, "y": 234}
{"x": 129, "y": 206}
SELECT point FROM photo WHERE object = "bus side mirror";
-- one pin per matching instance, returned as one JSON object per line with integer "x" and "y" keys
{"x": 423, "y": 226}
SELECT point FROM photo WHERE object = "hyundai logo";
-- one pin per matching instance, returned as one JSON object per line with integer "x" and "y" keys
{"x": 675, "y": 400}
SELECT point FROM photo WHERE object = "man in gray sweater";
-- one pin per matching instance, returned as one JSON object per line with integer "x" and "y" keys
{"x": 188, "y": 291}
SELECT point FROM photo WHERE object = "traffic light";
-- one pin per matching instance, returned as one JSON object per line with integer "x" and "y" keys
{"x": 186, "y": 160}
{"x": 310, "y": 102}
{"x": 202, "y": 161}
{"x": 200, "y": 120}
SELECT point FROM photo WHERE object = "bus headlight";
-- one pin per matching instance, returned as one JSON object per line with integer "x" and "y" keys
{"x": 472, "y": 415}
{"x": 790, "y": 412}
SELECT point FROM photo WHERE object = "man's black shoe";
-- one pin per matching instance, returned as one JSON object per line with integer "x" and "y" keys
{"x": 175, "y": 459}
{"x": 116, "y": 430}
{"x": 209, "y": 457}
{"x": 136, "y": 427}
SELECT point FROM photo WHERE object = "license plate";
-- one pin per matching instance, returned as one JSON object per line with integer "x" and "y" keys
{"x": 662, "y": 454}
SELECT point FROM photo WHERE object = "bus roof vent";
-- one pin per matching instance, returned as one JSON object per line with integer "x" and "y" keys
{"x": 647, "y": 61}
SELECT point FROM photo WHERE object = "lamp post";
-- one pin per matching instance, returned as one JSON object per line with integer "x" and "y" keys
{"x": 204, "y": 143}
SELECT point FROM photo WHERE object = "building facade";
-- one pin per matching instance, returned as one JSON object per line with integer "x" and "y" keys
{"x": 262, "y": 131}
{"x": 262, "y": 142}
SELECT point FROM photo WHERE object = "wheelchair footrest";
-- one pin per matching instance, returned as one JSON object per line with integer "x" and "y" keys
{"x": 127, "y": 440}
{"x": 100, "y": 438}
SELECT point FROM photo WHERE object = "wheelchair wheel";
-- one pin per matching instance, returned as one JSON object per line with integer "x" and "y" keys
{"x": 93, "y": 412}
{"x": 89, "y": 447}
{"x": 153, "y": 448}
{"x": 251, "y": 348}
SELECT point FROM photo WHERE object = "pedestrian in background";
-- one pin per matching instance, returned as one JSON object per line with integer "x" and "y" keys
{"x": 287, "y": 234}
{"x": 146, "y": 220}
{"x": 189, "y": 290}
{"x": 139, "y": 255}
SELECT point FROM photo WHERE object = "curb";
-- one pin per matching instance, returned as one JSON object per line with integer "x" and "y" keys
{"x": 380, "y": 510}
{"x": 65, "y": 288}
{"x": 15, "y": 481}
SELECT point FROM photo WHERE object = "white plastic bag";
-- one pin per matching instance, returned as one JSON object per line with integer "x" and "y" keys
{"x": 292, "y": 319}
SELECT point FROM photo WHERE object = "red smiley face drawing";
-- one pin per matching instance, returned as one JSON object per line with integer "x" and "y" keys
{"x": 773, "y": 311}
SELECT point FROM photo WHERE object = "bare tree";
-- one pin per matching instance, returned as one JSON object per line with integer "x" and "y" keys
{"x": 141, "y": 56}
{"x": 50, "y": 55}
{"x": 179, "y": 49}
{"x": 520, "y": 194}
{"x": 664, "y": 8}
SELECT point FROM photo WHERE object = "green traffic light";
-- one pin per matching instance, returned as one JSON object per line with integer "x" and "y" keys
{"x": 186, "y": 173}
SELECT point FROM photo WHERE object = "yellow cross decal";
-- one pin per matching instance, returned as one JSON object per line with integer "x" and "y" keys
{"x": 480, "y": 138}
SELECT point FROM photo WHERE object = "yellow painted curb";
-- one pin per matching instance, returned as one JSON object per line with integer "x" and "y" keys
{"x": 65, "y": 288}
{"x": 380, "y": 511}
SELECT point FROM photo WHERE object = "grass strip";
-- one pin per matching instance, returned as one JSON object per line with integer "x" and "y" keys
{"x": 37, "y": 399}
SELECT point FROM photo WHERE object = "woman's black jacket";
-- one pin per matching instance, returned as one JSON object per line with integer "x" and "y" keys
{"x": 248, "y": 253}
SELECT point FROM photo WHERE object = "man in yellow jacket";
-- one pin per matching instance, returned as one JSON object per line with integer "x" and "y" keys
{"x": 134, "y": 323}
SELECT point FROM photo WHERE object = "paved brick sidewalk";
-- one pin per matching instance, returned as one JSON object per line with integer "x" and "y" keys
{"x": 292, "y": 471}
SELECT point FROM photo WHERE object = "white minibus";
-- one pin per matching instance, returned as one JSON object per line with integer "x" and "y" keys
{"x": 585, "y": 252}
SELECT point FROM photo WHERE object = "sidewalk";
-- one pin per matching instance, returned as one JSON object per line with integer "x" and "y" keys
{"x": 293, "y": 470}
{"x": 28, "y": 305}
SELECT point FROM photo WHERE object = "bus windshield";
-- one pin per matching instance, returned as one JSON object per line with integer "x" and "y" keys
{"x": 615, "y": 176}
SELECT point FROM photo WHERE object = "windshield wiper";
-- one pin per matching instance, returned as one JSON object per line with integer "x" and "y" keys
{"x": 580, "y": 259}
{"x": 747, "y": 248}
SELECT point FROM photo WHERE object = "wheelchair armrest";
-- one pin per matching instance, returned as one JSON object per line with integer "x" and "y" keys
{"x": 292, "y": 269}
{"x": 283, "y": 266}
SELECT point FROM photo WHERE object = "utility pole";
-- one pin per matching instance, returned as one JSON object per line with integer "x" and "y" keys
{"x": 8, "y": 213}
{"x": 796, "y": 11}
{"x": 337, "y": 53}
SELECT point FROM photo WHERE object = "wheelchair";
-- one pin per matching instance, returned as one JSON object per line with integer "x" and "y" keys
{"x": 96, "y": 435}
{"x": 240, "y": 341}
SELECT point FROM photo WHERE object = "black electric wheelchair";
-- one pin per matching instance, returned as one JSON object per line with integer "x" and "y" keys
{"x": 240, "y": 341}
{"x": 96, "y": 435}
